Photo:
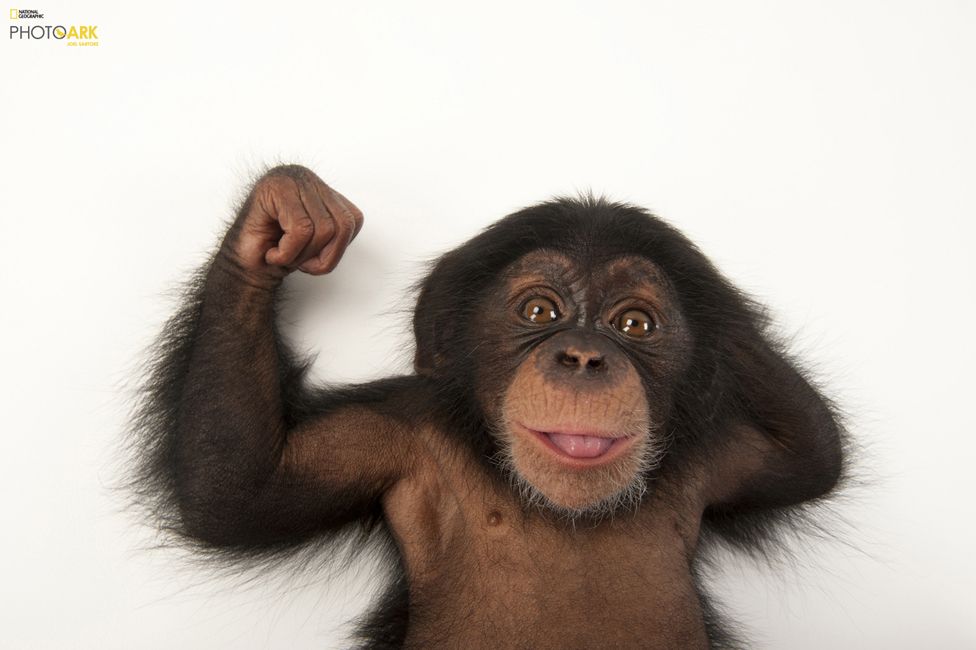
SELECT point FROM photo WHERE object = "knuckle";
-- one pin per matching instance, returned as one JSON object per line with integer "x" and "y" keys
{"x": 270, "y": 181}
{"x": 350, "y": 233}
{"x": 319, "y": 183}
{"x": 352, "y": 222}
{"x": 328, "y": 230}
{"x": 294, "y": 172}
{"x": 303, "y": 227}
{"x": 284, "y": 179}
{"x": 270, "y": 187}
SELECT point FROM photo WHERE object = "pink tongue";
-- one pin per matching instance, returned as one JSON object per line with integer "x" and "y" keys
{"x": 581, "y": 446}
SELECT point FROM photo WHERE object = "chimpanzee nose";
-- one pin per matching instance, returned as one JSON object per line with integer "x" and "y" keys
{"x": 581, "y": 359}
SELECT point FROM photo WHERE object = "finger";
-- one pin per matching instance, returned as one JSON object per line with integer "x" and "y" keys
{"x": 356, "y": 213}
{"x": 346, "y": 227}
{"x": 338, "y": 204}
{"x": 297, "y": 226}
{"x": 323, "y": 222}
{"x": 329, "y": 257}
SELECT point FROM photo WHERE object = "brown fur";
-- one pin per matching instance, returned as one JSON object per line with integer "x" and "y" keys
{"x": 713, "y": 425}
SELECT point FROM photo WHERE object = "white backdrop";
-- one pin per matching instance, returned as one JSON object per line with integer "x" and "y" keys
{"x": 821, "y": 153}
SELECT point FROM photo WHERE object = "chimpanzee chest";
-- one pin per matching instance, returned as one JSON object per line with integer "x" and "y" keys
{"x": 485, "y": 571}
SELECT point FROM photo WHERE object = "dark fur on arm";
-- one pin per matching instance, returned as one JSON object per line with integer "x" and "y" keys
{"x": 221, "y": 398}
{"x": 783, "y": 446}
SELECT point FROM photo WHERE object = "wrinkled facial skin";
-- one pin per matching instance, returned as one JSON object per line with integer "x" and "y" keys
{"x": 576, "y": 381}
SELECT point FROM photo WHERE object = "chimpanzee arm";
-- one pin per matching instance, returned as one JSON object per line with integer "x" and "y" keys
{"x": 786, "y": 443}
{"x": 251, "y": 461}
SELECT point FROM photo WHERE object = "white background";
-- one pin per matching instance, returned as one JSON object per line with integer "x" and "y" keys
{"x": 821, "y": 153}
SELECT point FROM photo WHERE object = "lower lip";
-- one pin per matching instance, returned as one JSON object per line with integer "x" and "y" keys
{"x": 617, "y": 447}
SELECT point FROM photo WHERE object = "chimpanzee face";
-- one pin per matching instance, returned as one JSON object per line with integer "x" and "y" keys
{"x": 575, "y": 368}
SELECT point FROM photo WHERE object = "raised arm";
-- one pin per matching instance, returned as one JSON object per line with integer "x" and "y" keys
{"x": 784, "y": 447}
{"x": 246, "y": 456}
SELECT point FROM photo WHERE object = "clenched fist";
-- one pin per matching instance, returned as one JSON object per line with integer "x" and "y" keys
{"x": 292, "y": 220}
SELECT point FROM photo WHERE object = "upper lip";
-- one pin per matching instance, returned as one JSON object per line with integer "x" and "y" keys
{"x": 543, "y": 436}
{"x": 575, "y": 430}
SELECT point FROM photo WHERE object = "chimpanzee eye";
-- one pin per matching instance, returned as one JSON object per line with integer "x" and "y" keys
{"x": 634, "y": 323}
{"x": 539, "y": 310}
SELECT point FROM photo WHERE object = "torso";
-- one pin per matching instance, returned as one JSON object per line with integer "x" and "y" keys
{"x": 484, "y": 571}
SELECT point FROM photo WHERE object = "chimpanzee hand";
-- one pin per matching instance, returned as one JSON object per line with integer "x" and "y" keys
{"x": 292, "y": 219}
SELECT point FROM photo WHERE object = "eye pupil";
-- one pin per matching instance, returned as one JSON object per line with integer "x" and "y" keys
{"x": 540, "y": 310}
{"x": 634, "y": 323}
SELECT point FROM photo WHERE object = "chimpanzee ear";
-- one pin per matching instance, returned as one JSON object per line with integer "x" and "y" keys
{"x": 427, "y": 358}
{"x": 423, "y": 364}
{"x": 433, "y": 317}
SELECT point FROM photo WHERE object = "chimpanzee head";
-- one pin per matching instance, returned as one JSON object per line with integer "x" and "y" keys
{"x": 581, "y": 344}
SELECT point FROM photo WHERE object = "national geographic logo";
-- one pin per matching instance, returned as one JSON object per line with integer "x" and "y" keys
{"x": 73, "y": 35}
{"x": 24, "y": 14}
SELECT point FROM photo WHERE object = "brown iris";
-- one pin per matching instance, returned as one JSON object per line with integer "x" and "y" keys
{"x": 539, "y": 310}
{"x": 634, "y": 323}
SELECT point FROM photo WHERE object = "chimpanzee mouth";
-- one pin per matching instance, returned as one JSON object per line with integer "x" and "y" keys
{"x": 581, "y": 448}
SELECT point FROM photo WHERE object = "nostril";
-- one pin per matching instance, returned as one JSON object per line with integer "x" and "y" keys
{"x": 576, "y": 361}
{"x": 568, "y": 360}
